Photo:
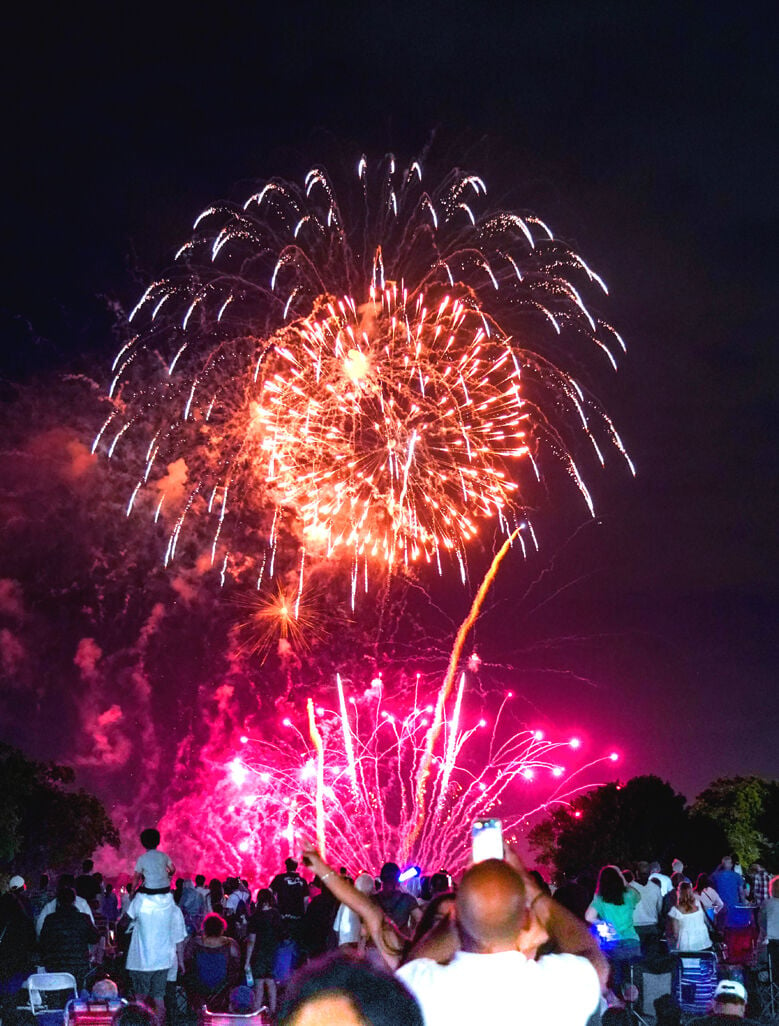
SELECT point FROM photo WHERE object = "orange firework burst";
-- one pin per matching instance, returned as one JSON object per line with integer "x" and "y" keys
{"x": 283, "y": 617}
{"x": 380, "y": 380}
{"x": 389, "y": 427}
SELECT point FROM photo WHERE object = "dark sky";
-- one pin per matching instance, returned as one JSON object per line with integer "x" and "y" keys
{"x": 644, "y": 133}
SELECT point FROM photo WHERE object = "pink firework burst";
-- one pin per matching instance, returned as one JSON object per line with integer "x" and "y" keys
{"x": 353, "y": 783}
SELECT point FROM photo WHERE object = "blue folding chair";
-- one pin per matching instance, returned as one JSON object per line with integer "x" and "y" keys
{"x": 695, "y": 980}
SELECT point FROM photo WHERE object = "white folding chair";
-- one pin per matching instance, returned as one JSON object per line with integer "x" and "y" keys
{"x": 41, "y": 988}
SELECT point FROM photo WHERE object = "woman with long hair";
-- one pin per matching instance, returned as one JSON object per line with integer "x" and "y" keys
{"x": 687, "y": 927}
{"x": 265, "y": 932}
{"x": 613, "y": 903}
{"x": 215, "y": 897}
{"x": 440, "y": 907}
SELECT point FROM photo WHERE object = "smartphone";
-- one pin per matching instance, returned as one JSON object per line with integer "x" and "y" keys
{"x": 487, "y": 839}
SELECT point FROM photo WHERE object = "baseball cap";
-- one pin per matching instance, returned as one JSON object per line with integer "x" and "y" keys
{"x": 731, "y": 988}
{"x": 16, "y": 883}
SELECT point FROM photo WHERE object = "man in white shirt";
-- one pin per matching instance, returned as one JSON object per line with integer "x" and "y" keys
{"x": 662, "y": 881}
{"x": 490, "y": 980}
{"x": 156, "y": 944}
{"x": 646, "y": 914}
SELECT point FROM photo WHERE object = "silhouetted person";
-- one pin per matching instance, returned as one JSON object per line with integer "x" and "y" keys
{"x": 66, "y": 936}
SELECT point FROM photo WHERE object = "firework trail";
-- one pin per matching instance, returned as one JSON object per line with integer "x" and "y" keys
{"x": 446, "y": 686}
{"x": 302, "y": 785}
{"x": 316, "y": 739}
{"x": 377, "y": 371}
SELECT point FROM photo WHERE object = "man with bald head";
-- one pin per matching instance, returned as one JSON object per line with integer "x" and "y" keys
{"x": 501, "y": 917}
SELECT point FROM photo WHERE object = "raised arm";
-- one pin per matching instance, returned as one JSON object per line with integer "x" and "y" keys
{"x": 381, "y": 931}
{"x": 569, "y": 934}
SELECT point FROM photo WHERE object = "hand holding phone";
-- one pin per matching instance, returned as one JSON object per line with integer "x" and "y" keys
{"x": 487, "y": 839}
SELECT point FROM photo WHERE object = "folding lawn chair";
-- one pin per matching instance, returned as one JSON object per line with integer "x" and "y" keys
{"x": 695, "y": 980}
{"x": 47, "y": 996}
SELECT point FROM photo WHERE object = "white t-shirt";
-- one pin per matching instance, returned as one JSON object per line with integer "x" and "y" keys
{"x": 347, "y": 925}
{"x": 159, "y": 927}
{"x": 647, "y": 911}
{"x": 504, "y": 988}
{"x": 663, "y": 881}
{"x": 154, "y": 865}
{"x": 693, "y": 932}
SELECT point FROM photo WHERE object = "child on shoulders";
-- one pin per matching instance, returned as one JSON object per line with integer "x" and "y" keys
{"x": 154, "y": 868}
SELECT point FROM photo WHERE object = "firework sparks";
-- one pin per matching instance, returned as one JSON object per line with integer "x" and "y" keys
{"x": 278, "y": 620}
{"x": 319, "y": 804}
{"x": 304, "y": 785}
{"x": 381, "y": 378}
{"x": 448, "y": 681}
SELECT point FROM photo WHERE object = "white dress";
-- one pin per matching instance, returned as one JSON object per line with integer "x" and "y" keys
{"x": 693, "y": 931}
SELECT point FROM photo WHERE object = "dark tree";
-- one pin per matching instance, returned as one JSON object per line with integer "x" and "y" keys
{"x": 45, "y": 823}
{"x": 622, "y": 824}
{"x": 745, "y": 809}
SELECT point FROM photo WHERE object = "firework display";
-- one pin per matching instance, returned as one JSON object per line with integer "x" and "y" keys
{"x": 345, "y": 776}
{"x": 377, "y": 370}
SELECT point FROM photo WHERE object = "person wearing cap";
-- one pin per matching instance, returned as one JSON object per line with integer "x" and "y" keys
{"x": 730, "y": 1002}
{"x": 17, "y": 887}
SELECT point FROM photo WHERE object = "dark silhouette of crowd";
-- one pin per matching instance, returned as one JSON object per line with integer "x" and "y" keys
{"x": 315, "y": 944}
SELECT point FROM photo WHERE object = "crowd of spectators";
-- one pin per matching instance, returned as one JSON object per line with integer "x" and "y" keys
{"x": 319, "y": 946}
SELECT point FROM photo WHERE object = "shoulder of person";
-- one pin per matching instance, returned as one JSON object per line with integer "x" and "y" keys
{"x": 573, "y": 977}
{"x": 566, "y": 962}
{"x": 420, "y": 970}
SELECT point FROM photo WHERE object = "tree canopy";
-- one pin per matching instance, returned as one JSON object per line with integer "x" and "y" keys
{"x": 746, "y": 810}
{"x": 642, "y": 819}
{"x": 646, "y": 819}
{"x": 45, "y": 822}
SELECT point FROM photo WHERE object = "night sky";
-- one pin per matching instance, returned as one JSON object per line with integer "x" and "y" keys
{"x": 644, "y": 134}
